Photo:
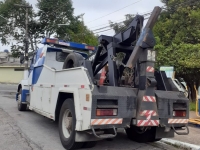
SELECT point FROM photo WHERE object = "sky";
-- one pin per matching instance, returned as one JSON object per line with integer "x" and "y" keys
{"x": 97, "y": 13}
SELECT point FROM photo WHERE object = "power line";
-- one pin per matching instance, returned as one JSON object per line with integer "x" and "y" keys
{"x": 101, "y": 28}
{"x": 114, "y": 11}
{"x": 121, "y": 29}
{"x": 149, "y": 12}
{"x": 118, "y": 20}
{"x": 103, "y": 31}
{"x": 106, "y": 23}
{"x": 143, "y": 14}
{"x": 118, "y": 23}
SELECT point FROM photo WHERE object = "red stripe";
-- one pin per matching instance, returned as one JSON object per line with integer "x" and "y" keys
{"x": 148, "y": 123}
{"x": 140, "y": 122}
{"x": 101, "y": 122}
{"x": 148, "y": 112}
{"x": 150, "y": 69}
{"x": 107, "y": 121}
{"x": 149, "y": 98}
{"x": 94, "y": 121}
{"x": 113, "y": 122}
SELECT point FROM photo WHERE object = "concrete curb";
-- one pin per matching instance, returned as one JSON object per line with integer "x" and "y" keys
{"x": 181, "y": 144}
{"x": 3, "y": 83}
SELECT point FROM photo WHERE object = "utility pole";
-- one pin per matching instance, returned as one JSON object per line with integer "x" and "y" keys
{"x": 26, "y": 7}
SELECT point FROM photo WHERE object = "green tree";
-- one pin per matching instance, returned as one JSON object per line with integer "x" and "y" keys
{"x": 52, "y": 13}
{"x": 117, "y": 27}
{"x": 81, "y": 34}
{"x": 12, "y": 24}
{"x": 42, "y": 23}
{"x": 178, "y": 34}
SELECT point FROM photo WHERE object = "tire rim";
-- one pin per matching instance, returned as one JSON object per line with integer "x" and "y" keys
{"x": 67, "y": 123}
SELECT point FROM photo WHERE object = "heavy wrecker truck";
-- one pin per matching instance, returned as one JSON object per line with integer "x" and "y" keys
{"x": 88, "y": 98}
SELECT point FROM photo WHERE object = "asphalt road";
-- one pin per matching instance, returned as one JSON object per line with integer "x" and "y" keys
{"x": 30, "y": 131}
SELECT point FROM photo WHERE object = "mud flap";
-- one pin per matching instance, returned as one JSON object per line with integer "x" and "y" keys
{"x": 161, "y": 133}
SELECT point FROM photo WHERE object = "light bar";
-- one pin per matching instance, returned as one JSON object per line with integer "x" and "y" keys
{"x": 68, "y": 44}
{"x": 49, "y": 41}
{"x": 90, "y": 47}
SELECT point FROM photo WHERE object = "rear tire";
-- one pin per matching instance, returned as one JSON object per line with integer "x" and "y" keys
{"x": 67, "y": 123}
{"x": 21, "y": 106}
{"x": 142, "y": 137}
{"x": 89, "y": 144}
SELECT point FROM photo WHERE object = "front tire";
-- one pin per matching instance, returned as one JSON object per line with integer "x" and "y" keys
{"x": 67, "y": 123}
{"x": 21, "y": 106}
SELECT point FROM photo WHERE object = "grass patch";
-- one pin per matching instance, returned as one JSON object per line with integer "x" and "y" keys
{"x": 192, "y": 106}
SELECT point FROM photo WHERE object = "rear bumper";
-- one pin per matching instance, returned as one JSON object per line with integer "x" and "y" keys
{"x": 123, "y": 122}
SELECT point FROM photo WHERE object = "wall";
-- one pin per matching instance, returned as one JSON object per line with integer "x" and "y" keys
{"x": 11, "y": 74}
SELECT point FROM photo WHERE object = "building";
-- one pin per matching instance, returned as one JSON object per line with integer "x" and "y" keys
{"x": 11, "y": 71}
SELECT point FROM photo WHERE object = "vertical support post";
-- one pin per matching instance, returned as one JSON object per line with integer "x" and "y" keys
{"x": 112, "y": 67}
{"x": 26, "y": 40}
{"x": 26, "y": 47}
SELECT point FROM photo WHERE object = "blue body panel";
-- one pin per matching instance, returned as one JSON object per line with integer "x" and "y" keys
{"x": 36, "y": 74}
{"x": 69, "y": 44}
{"x": 23, "y": 96}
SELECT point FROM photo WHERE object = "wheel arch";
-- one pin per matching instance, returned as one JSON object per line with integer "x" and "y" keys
{"x": 62, "y": 96}
{"x": 19, "y": 87}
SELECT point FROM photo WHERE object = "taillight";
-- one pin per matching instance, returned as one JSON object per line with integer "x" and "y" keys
{"x": 106, "y": 112}
{"x": 179, "y": 113}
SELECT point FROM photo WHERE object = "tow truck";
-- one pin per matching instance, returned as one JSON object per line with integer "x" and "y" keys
{"x": 88, "y": 98}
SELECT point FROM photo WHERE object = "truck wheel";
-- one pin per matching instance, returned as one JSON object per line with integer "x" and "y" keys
{"x": 73, "y": 60}
{"x": 67, "y": 123}
{"x": 134, "y": 133}
{"x": 89, "y": 144}
{"x": 21, "y": 107}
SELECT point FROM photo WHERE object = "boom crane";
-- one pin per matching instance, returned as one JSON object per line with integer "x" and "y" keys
{"x": 151, "y": 87}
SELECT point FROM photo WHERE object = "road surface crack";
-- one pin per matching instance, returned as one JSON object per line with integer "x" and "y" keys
{"x": 18, "y": 132}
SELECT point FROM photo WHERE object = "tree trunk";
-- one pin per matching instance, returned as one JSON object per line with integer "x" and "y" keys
{"x": 192, "y": 91}
{"x": 31, "y": 40}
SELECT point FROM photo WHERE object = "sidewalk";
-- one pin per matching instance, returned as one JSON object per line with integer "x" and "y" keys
{"x": 193, "y": 115}
{"x": 193, "y": 137}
